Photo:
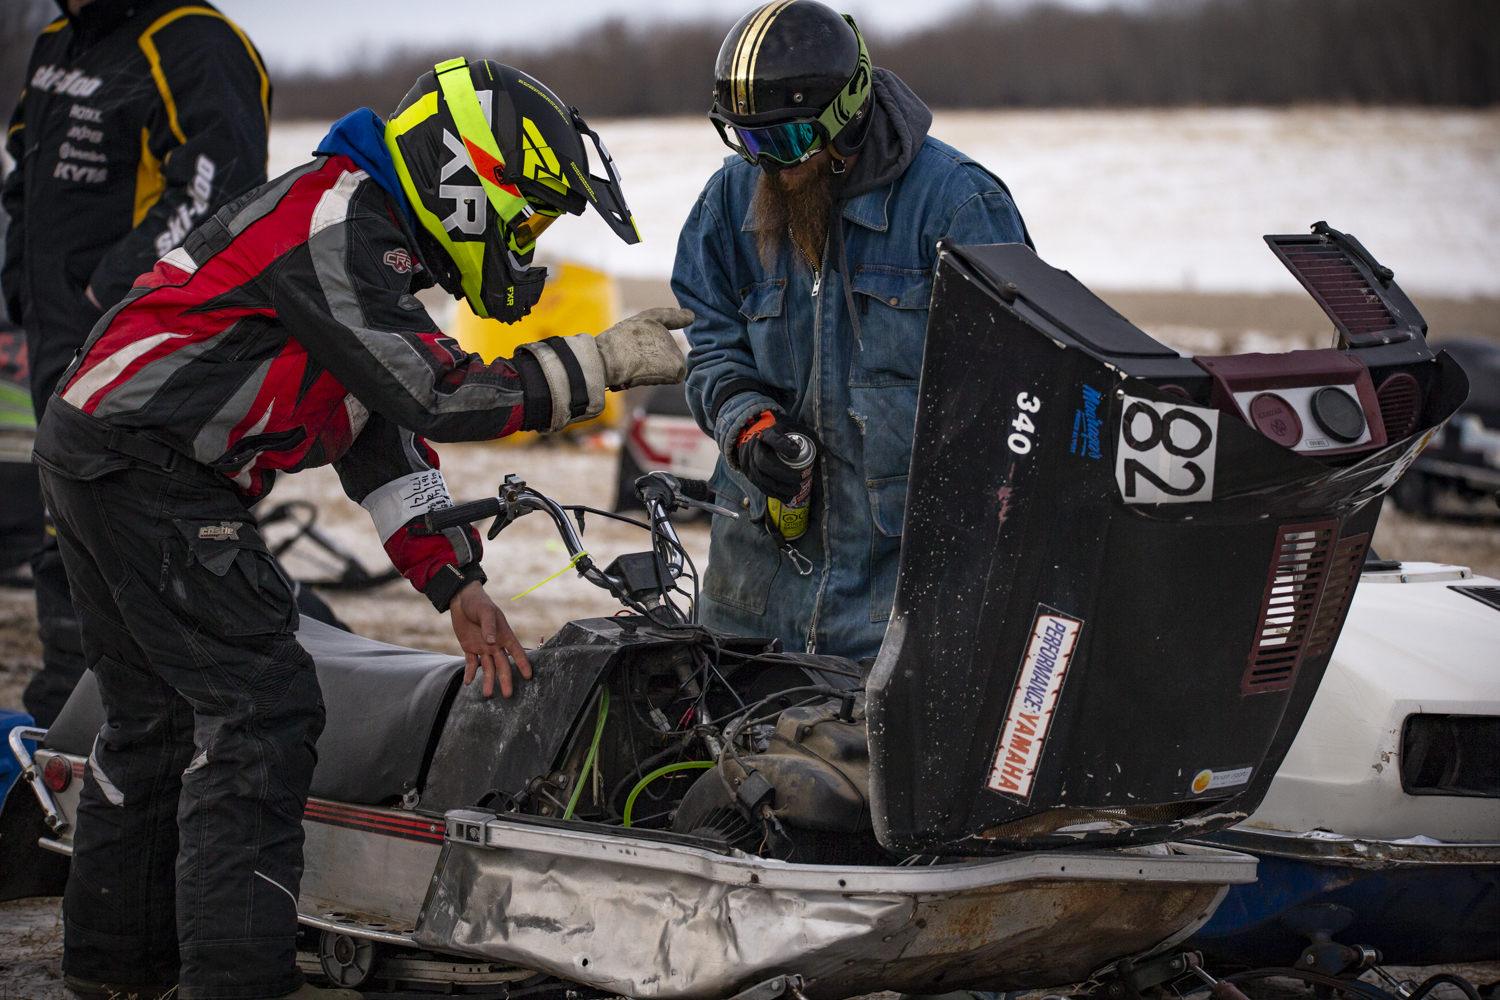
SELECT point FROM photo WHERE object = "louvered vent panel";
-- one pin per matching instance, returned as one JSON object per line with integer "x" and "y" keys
{"x": 1294, "y": 582}
{"x": 1338, "y": 590}
{"x": 1400, "y": 405}
{"x": 1344, "y": 292}
{"x": 1484, "y": 595}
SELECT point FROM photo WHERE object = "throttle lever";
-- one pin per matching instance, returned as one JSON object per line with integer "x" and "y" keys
{"x": 510, "y": 499}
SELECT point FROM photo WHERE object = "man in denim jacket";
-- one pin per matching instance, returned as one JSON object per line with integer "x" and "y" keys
{"x": 839, "y": 358}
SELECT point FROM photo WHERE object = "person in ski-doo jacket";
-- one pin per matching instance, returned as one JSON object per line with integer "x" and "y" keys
{"x": 137, "y": 120}
{"x": 285, "y": 333}
{"x": 821, "y": 327}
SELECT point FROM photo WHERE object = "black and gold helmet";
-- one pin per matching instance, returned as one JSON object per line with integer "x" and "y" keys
{"x": 488, "y": 158}
{"x": 792, "y": 77}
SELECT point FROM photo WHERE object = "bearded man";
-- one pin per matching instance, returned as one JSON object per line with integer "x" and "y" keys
{"x": 807, "y": 261}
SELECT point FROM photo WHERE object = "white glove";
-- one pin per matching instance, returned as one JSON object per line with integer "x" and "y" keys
{"x": 641, "y": 350}
{"x": 635, "y": 351}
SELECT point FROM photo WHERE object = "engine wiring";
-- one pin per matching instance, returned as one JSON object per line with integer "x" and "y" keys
{"x": 588, "y": 761}
{"x": 686, "y": 765}
{"x": 681, "y": 715}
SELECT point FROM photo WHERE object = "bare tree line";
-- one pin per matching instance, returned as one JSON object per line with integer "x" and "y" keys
{"x": 1171, "y": 53}
{"x": 1167, "y": 53}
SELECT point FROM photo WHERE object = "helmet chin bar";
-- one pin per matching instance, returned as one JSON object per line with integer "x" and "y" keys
{"x": 438, "y": 263}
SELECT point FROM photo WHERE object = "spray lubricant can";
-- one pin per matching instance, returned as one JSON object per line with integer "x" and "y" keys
{"x": 791, "y": 518}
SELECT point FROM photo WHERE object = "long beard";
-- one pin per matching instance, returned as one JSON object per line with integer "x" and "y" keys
{"x": 801, "y": 212}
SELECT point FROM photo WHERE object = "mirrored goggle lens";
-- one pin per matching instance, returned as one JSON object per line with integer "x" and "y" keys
{"x": 528, "y": 229}
{"x": 786, "y": 143}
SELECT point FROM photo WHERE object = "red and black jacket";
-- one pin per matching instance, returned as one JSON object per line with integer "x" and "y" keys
{"x": 284, "y": 335}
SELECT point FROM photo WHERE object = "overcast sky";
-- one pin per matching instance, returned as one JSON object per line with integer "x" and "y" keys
{"x": 298, "y": 34}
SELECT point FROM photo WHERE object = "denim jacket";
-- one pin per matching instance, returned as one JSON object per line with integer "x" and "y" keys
{"x": 789, "y": 330}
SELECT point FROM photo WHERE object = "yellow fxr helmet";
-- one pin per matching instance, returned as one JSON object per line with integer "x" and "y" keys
{"x": 488, "y": 158}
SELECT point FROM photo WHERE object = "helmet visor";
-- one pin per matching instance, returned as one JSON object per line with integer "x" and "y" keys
{"x": 786, "y": 143}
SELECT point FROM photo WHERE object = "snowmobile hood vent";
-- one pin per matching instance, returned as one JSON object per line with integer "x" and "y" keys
{"x": 1299, "y": 567}
{"x": 1354, "y": 289}
{"x": 1400, "y": 400}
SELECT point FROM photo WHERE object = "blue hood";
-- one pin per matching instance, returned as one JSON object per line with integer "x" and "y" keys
{"x": 360, "y": 135}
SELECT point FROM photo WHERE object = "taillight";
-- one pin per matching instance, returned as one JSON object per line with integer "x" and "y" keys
{"x": 57, "y": 774}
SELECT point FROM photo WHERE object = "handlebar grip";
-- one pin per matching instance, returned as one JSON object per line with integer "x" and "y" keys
{"x": 696, "y": 489}
{"x": 464, "y": 513}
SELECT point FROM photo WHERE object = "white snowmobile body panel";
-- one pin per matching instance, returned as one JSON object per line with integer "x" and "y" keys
{"x": 1411, "y": 644}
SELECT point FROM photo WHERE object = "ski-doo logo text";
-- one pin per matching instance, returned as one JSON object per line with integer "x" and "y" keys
{"x": 65, "y": 81}
{"x": 398, "y": 261}
{"x": 181, "y": 222}
{"x": 1053, "y": 636}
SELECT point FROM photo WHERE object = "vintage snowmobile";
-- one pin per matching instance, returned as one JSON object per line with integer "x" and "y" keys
{"x": 1123, "y": 573}
{"x": 1381, "y": 831}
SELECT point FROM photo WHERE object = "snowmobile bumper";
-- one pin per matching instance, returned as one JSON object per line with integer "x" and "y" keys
{"x": 648, "y": 915}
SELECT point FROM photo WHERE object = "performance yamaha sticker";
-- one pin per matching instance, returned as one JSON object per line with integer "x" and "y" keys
{"x": 1166, "y": 452}
{"x": 1038, "y": 686}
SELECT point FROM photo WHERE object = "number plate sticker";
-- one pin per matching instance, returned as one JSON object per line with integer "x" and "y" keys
{"x": 1166, "y": 451}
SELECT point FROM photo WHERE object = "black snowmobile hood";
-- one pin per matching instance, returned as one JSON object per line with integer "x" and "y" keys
{"x": 1076, "y": 657}
{"x": 898, "y": 124}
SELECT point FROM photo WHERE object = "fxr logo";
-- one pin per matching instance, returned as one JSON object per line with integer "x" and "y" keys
{"x": 539, "y": 158}
{"x": 468, "y": 199}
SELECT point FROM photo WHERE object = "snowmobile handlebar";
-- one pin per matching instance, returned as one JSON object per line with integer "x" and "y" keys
{"x": 661, "y": 493}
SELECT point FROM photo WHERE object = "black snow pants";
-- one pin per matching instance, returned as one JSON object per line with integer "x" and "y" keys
{"x": 188, "y": 849}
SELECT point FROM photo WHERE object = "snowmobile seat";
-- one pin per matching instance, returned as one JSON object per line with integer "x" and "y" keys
{"x": 383, "y": 703}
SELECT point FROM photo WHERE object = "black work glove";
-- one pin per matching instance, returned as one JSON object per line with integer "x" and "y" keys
{"x": 764, "y": 449}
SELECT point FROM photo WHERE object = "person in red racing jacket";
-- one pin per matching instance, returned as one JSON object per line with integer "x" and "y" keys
{"x": 283, "y": 334}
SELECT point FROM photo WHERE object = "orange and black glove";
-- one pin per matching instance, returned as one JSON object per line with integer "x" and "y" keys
{"x": 764, "y": 449}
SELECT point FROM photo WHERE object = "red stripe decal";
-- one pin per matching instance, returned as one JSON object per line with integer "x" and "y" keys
{"x": 384, "y": 822}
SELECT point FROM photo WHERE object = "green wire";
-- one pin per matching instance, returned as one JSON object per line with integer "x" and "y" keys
{"x": 685, "y": 765}
{"x": 588, "y": 762}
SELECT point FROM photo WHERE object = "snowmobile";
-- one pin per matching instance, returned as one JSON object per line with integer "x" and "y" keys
{"x": 1123, "y": 573}
{"x": 1381, "y": 831}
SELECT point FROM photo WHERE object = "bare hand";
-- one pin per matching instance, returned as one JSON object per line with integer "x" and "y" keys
{"x": 487, "y": 640}
{"x": 88, "y": 293}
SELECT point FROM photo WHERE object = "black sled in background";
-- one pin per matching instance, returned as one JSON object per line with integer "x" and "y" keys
{"x": 1090, "y": 661}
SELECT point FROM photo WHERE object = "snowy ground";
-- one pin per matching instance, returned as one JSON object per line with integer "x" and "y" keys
{"x": 1168, "y": 201}
{"x": 1160, "y": 200}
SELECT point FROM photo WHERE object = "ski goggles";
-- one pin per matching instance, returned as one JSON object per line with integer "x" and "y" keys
{"x": 787, "y": 142}
{"x": 792, "y": 141}
{"x": 530, "y": 222}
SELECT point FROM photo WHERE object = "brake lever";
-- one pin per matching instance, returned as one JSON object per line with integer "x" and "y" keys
{"x": 513, "y": 493}
{"x": 712, "y": 508}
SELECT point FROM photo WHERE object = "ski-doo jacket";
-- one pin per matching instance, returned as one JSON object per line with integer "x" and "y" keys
{"x": 138, "y": 120}
{"x": 283, "y": 334}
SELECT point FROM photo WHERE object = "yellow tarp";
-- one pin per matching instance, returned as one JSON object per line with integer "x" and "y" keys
{"x": 577, "y": 299}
